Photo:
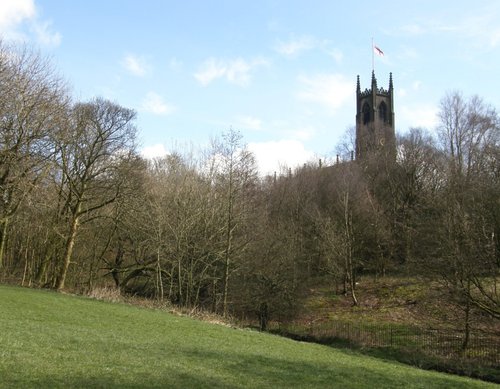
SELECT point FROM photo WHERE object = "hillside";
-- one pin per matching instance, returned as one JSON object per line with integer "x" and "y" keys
{"x": 51, "y": 340}
{"x": 399, "y": 299}
{"x": 401, "y": 317}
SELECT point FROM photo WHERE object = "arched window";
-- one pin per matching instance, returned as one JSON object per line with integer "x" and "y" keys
{"x": 382, "y": 112}
{"x": 366, "y": 113}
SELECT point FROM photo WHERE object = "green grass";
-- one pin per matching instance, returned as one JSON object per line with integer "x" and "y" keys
{"x": 50, "y": 340}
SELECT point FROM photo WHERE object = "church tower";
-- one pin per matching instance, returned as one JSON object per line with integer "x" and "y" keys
{"x": 375, "y": 130}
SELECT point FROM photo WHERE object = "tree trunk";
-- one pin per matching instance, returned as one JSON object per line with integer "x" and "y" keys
{"x": 227, "y": 253}
{"x": 68, "y": 251}
{"x": 214, "y": 290}
{"x": 41, "y": 273}
{"x": 465, "y": 343}
{"x": 159, "y": 279}
{"x": 180, "y": 296}
{"x": 171, "y": 286}
{"x": 117, "y": 265}
{"x": 226, "y": 283}
{"x": 3, "y": 239}
{"x": 352, "y": 282}
{"x": 349, "y": 237}
{"x": 263, "y": 316}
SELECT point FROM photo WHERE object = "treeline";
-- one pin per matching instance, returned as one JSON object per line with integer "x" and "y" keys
{"x": 80, "y": 208}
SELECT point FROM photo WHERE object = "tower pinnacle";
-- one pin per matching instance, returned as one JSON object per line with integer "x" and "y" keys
{"x": 374, "y": 82}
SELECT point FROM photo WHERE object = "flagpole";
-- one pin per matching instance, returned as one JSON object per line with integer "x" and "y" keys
{"x": 373, "y": 57}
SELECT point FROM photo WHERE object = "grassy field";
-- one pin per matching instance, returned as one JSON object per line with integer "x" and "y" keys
{"x": 50, "y": 340}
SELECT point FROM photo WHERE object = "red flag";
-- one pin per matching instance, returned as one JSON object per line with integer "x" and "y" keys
{"x": 378, "y": 51}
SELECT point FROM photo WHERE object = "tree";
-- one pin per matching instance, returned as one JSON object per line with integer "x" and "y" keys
{"x": 98, "y": 136}
{"x": 470, "y": 136}
{"x": 344, "y": 229}
{"x": 111, "y": 239}
{"x": 179, "y": 220}
{"x": 345, "y": 148}
{"x": 268, "y": 280}
{"x": 235, "y": 176}
{"x": 32, "y": 103}
{"x": 415, "y": 183}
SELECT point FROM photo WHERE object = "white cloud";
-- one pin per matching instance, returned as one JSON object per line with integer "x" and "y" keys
{"x": 304, "y": 133}
{"x": 295, "y": 46}
{"x": 236, "y": 71}
{"x": 416, "y": 85}
{"x": 409, "y": 53}
{"x": 428, "y": 26}
{"x": 44, "y": 34}
{"x": 413, "y": 29}
{"x": 248, "y": 123}
{"x": 336, "y": 54}
{"x": 330, "y": 90}
{"x": 495, "y": 38}
{"x": 480, "y": 26}
{"x": 419, "y": 115}
{"x": 272, "y": 156}
{"x": 154, "y": 103}
{"x": 14, "y": 13}
{"x": 154, "y": 151}
{"x": 210, "y": 70}
{"x": 135, "y": 65}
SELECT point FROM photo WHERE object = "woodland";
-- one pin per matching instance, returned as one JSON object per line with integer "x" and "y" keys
{"x": 202, "y": 229}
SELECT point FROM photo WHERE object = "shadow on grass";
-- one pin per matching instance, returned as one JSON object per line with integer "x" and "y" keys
{"x": 167, "y": 379}
{"x": 410, "y": 357}
{"x": 232, "y": 369}
{"x": 349, "y": 371}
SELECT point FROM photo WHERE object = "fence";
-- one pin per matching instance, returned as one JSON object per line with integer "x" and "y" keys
{"x": 482, "y": 348}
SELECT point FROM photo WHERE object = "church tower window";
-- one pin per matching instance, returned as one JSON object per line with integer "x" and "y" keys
{"x": 366, "y": 113}
{"x": 382, "y": 112}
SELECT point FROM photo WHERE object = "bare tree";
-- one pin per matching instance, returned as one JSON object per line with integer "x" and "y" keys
{"x": 235, "y": 175}
{"x": 32, "y": 103}
{"x": 178, "y": 217}
{"x": 470, "y": 136}
{"x": 98, "y": 136}
{"x": 344, "y": 230}
{"x": 416, "y": 183}
{"x": 347, "y": 145}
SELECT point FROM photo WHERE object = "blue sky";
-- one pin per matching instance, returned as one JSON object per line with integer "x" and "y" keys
{"x": 282, "y": 72}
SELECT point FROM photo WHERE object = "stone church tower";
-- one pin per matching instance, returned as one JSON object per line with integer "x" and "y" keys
{"x": 375, "y": 130}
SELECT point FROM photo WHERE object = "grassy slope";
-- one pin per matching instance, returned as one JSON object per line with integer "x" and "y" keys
{"x": 53, "y": 340}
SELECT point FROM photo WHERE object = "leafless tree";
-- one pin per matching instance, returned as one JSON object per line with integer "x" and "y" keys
{"x": 98, "y": 136}
{"x": 234, "y": 172}
{"x": 33, "y": 101}
{"x": 470, "y": 137}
